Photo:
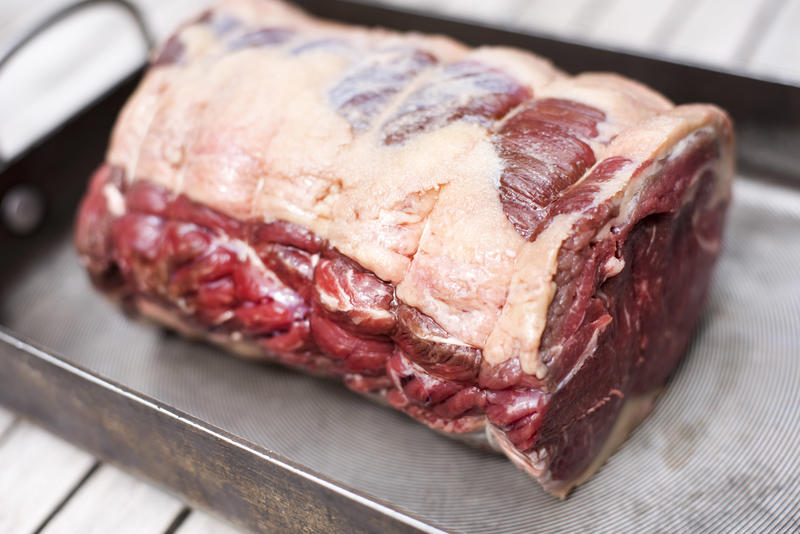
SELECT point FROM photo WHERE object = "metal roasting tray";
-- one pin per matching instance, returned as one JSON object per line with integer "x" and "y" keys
{"x": 275, "y": 450}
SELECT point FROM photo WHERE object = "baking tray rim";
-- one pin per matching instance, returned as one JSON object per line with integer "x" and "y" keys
{"x": 11, "y": 342}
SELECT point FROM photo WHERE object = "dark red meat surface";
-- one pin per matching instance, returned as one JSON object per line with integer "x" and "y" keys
{"x": 189, "y": 223}
{"x": 287, "y": 292}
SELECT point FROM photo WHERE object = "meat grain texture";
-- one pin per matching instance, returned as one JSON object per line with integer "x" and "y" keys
{"x": 494, "y": 247}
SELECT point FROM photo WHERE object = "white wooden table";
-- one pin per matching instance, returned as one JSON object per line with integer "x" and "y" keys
{"x": 49, "y": 486}
{"x": 52, "y": 487}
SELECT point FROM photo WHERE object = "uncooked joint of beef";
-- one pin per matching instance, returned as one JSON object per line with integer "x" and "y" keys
{"x": 498, "y": 249}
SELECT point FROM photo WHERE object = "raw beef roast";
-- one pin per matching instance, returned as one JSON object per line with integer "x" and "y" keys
{"x": 492, "y": 246}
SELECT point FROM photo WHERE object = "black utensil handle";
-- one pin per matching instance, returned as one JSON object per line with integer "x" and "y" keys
{"x": 10, "y": 47}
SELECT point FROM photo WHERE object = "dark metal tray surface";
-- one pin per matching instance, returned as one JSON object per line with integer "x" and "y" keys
{"x": 275, "y": 450}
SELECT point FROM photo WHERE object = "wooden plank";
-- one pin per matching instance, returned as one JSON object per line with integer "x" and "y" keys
{"x": 6, "y": 420}
{"x": 629, "y": 24}
{"x": 37, "y": 471}
{"x": 778, "y": 54}
{"x": 114, "y": 501}
{"x": 498, "y": 12}
{"x": 200, "y": 522}
{"x": 760, "y": 27}
{"x": 553, "y": 18}
{"x": 712, "y": 31}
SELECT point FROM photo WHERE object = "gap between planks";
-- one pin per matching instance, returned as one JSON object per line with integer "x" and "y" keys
{"x": 37, "y": 472}
{"x": 49, "y": 486}
{"x": 113, "y": 501}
